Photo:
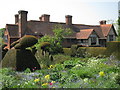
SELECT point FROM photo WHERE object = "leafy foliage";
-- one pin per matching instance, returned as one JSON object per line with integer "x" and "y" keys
{"x": 118, "y": 38}
{"x": 80, "y": 74}
{"x": 56, "y": 40}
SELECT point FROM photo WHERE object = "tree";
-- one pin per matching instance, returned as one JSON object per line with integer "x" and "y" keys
{"x": 1, "y": 35}
{"x": 56, "y": 40}
{"x": 118, "y": 38}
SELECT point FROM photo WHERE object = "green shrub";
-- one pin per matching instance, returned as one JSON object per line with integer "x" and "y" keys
{"x": 44, "y": 58}
{"x": 96, "y": 51}
{"x": 60, "y": 58}
{"x": 74, "y": 50}
{"x": 20, "y": 60}
{"x": 28, "y": 41}
{"x": 45, "y": 46}
{"x": 81, "y": 51}
{"x": 67, "y": 51}
{"x": 113, "y": 47}
{"x": 117, "y": 79}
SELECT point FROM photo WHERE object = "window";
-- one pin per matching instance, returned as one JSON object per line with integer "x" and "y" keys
{"x": 110, "y": 37}
{"x": 93, "y": 40}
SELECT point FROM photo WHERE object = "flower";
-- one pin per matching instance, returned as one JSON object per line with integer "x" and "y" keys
{"x": 44, "y": 84}
{"x": 51, "y": 66}
{"x": 47, "y": 77}
{"x": 101, "y": 73}
{"x": 51, "y": 83}
{"x": 85, "y": 80}
{"x": 36, "y": 80}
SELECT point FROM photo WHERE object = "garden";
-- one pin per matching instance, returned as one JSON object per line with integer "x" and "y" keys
{"x": 44, "y": 63}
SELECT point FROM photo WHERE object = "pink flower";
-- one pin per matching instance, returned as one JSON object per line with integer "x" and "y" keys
{"x": 51, "y": 83}
{"x": 34, "y": 67}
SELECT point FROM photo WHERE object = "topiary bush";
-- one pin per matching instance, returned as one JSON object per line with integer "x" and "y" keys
{"x": 3, "y": 50}
{"x": 45, "y": 46}
{"x": 14, "y": 43}
{"x": 20, "y": 60}
{"x": 28, "y": 41}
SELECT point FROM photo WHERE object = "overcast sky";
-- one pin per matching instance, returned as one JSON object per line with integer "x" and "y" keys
{"x": 83, "y": 11}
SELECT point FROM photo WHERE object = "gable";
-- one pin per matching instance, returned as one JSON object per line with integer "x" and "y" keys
{"x": 112, "y": 32}
{"x": 12, "y": 30}
{"x": 93, "y": 34}
{"x": 106, "y": 29}
{"x": 84, "y": 34}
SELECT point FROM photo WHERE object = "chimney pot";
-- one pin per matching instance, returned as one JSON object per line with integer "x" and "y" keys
{"x": 22, "y": 22}
{"x": 102, "y": 22}
{"x": 16, "y": 18}
{"x": 68, "y": 19}
{"x": 45, "y": 18}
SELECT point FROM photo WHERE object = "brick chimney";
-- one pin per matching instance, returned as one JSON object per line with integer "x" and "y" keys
{"x": 45, "y": 18}
{"x": 68, "y": 19}
{"x": 102, "y": 22}
{"x": 22, "y": 22}
{"x": 16, "y": 18}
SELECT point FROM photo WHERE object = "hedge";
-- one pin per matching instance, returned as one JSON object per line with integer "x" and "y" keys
{"x": 86, "y": 51}
{"x": 113, "y": 47}
{"x": 67, "y": 51}
{"x": 96, "y": 51}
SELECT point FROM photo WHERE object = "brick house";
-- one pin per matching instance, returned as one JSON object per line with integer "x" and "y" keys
{"x": 82, "y": 34}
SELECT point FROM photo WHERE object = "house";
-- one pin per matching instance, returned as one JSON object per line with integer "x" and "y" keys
{"x": 82, "y": 34}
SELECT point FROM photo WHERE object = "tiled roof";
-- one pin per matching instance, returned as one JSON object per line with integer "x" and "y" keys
{"x": 13, "y": 30}
{"x": 43, "y": 28}
{"x": 106, "y": 28}
{"x": 84, "y": 34}
{"x": 96, "y": 28}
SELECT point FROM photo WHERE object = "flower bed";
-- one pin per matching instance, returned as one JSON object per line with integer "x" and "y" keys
{"x": 75, "y": 73}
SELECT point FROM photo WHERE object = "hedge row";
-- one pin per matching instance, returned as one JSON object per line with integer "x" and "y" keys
{"x": 89, "y": 51}
{"x": 112, "y": 48}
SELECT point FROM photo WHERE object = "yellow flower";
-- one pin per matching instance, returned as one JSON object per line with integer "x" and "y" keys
{"x": 53, "y": 82}
{"x": 51, "y": 66}
{"x": 47, "y": 77}
{"x": 36, "y": 80}
{"x": 44, "y": 84}
{"x": 101, "y": 73}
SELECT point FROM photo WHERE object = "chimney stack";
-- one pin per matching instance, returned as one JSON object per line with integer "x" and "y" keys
{"x": 16, "y": 18}
{"x": 45, "y": 18}
{"x": 102, "y": 22}
{"x": 68, "y": 19}
{"x": 22, "y": 22}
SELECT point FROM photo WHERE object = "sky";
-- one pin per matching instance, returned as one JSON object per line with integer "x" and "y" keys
{"x": 88, "y": 12}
